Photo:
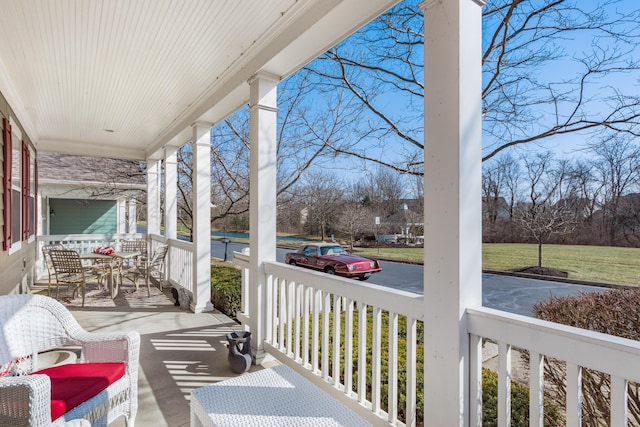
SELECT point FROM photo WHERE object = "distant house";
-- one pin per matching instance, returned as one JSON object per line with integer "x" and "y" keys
{"x": 88, "y": 195}
{"x": 407, "y": 223}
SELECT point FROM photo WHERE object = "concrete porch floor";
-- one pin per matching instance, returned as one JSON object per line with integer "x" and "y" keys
{"x": 179, "y": 350}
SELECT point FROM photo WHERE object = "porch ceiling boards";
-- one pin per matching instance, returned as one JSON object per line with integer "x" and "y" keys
{"x": 123, "y": 78}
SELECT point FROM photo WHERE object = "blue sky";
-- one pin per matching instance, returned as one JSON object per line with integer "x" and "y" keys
{"x": 570, "y": 47}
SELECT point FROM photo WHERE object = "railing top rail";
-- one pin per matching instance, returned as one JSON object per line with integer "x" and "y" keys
{"x": 240, "y": 258}
{"x": 156, "y": 237}
{"x": 605, "y": 353}
{"x": 182, "y": 244}
{"x": 88, "y": 237}
{"x": 401, "y": 302}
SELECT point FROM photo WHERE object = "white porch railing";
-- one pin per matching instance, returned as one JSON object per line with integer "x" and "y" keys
{"x": 178, "y": 264}
{"x": 83, "y": 243}
{"x": 578, "y": 348}
{"x": 304, "y": 308}
{"x": 303, "y": 311}
{"x": 179, "y": 261}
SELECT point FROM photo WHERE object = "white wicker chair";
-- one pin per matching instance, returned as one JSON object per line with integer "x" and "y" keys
{"x": 30, "y": 324}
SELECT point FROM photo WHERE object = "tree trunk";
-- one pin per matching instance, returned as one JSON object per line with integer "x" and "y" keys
{"x": 540, "y": 253}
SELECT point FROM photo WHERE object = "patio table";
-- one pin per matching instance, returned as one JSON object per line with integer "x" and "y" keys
{"x": 108, "y": 260}
{"x": 276, "y": 396}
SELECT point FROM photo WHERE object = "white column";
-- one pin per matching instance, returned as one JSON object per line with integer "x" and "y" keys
{"x": 262, "y": 200}
{"x": 153, "y": 196}
{"x": 201, "y": 218}
{"x": 170, "y": 192}
{"x": 132, "y": 222}
{"x": 121, "y": 205}
{"x": 453, "y": 229}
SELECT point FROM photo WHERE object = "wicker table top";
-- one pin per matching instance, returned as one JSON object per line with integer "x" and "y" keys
{"x": 271, "y": 397}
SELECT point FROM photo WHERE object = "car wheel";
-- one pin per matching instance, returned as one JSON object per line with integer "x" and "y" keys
{"x": 363, "y": 277}
{"x": 293, "y": 262}
{"x": 330, "y": 270}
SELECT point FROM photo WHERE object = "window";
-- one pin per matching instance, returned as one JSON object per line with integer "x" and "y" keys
{"x": 18, "y": 187}
{"x": 28, "y": 195}
{"x": 6, "y": 184}
{"x": 33, "y": 195}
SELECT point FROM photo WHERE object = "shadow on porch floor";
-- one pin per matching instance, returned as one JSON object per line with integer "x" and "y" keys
{"x": 179, "y": 350}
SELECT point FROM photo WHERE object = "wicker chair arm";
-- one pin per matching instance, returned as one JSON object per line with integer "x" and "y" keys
{"x": 108, "y": 347}
{"x": 24, "y": 400}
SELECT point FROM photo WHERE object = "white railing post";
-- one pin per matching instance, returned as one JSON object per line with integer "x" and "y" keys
{"x": 574, "y": 395}
{"x": 536, "y": 389}
{"x": 452, "y": 218}
{"x": 262, "y": 200}
{"x": 504, "y": 384}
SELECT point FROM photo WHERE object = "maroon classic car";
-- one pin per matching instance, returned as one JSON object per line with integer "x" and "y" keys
{"x": 333, "y": 259}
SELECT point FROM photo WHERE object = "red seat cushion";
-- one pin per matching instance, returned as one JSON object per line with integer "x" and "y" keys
{"x": 76, "y": 383}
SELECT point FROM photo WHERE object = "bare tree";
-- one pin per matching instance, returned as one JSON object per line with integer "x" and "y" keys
{"x": 500, "y": 192}
{"x": 385, "y": 57}
{"x": 323, "y": 198}
{"x": 307, "y": 127}
{"x": 184, "y": 191}
{"x": 352, "y": 220}
{"x": 618, "y": 166}
{"x": 492, "y": 190}
{"x": 629, "y": 219}
{"x": 545, "y": 211}
{"x": 524, "y": 99}
{"x": 588, "y": 189}
{"x": 382, "y": 191}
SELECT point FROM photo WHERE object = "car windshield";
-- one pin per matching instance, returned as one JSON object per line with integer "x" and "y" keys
{"x": 332, "y": 250}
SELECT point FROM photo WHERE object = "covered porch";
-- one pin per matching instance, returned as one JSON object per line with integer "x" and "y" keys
{"x": 290, "y": 312}
{"x": 179, "y": 350}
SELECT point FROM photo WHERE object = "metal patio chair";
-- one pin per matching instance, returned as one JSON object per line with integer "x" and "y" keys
{"x": 68, "y": 270}
{"x": 153, "y": 267}
{"x": 47, "y": 262}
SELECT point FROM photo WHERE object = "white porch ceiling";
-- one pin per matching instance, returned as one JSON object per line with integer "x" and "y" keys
{"x": 123, "y": 78}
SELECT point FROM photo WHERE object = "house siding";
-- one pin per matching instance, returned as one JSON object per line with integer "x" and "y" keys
{"x": 82, "y": 216}
{"x": 17, "y": 270}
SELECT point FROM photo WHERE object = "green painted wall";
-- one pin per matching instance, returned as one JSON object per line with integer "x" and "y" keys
{"x": 75, "y": 216}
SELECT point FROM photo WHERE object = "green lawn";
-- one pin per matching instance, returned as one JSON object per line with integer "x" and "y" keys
{"x": 415, "y": 255}
{"x": 591, "y": 263}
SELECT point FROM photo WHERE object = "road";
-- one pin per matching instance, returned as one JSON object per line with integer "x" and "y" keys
{"x": 502, "y": 292}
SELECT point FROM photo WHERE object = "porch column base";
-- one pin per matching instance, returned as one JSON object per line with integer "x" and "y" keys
{"x": 261, "y": 357}
{"x": 206, "y": 308}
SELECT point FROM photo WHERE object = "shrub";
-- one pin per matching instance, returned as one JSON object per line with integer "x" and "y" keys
{"x": 615, "y": 312}
{"x": 519, "y": 404}
{"x": 225, "y": 288}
